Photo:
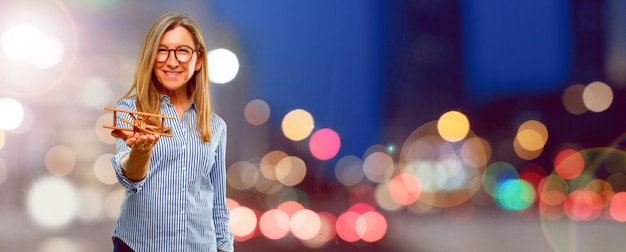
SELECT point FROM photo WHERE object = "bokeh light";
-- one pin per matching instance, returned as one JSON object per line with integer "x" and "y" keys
{"x": 12, "y": 114}
{"x": 326, "y": 231}
{"x": 113, "y": 203}
{"x": 290, "y": 207}
{"x": 297, "y": 124}
{"x": 98, "y": 5}
{"x": 603, "y": 189}
{"x": 60, "y": 160}
{"x": 598, "y": 96}
{"x": 50, "y": 54}
{"x": 405, "y": 189}
{"x": 476, "y": 152}
{"x": 445, "y": 179}
{"x": 532, "y": 135}
{"x": 361, "y": 222}
{"x": 40, "y": 42}
{"x": 324, "y": 144}
{"x": 21, "y": 42}
{"x": 534, "y": 174}
{"x": 269, "y": 162}
{"x": 223, "y": 65}
{"x": 327, "y": 192}
{"x": 582, "y": 205}
{"x": 363, "y": 193}
{"x": 52, "y": 202}
{"x": 103, "y": 169}
{"x": 257, "y": 112}
{"x": 453, "y": 126}
{"x": 573, "y": 99}
{"x": 371, "y": 226}
{"x": 242, "y": 175}
{"x": 243, "y": 222}
{"x": 305, "y": 224}
{"x": 569, "y": 164}
{"x": 349, "y": 170}
{"x": 346, "y": 226}
{"x": 290, "y": 171}
{"x": 274, "y": 224}
{"x": 497, "y": 173}
{"x": 90, "y": 204}
{"x": 378, "y": 166}
{"x": 295, "y": 195}
{"x": 553, "y": 190}
{"x": 29, "y": 121}
{"x": 514, "y": 194}
{"x": 4, "y": 171}
{"x": 55, "y": 244}
{"x": 3, "y": 138}
{"x": 617, "y": 208}
{"x": 618, "y": 182}
{"x": 383, "y": 197}
{"x": 104, "y": 134}
{"x": 524, "y": 153}
{"x": 95, "y": 92}
{"x": 25, "y": 42}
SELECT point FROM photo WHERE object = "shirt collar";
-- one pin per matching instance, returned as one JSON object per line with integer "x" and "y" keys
{"x": 165, "y": 99}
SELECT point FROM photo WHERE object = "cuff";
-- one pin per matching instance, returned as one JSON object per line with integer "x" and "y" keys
{"x": 133, "y": 186}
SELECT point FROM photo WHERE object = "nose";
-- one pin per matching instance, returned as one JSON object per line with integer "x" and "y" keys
{"x": 172, "y": 61}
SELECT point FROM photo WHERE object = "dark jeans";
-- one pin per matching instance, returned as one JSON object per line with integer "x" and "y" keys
{"x": 120, "y": 246}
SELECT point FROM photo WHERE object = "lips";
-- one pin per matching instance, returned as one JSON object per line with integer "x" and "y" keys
{"x": 171, "y": 74}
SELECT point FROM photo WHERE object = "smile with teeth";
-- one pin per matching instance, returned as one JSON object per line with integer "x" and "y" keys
{"x": 171, "y": 74}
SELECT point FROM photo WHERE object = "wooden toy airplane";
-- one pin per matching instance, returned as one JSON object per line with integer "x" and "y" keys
{"x": 139, "y": 123}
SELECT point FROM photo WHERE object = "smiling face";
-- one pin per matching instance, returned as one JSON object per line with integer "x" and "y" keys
{"x": 172, "y": 74}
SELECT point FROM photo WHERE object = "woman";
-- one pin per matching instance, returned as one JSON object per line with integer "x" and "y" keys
{"x": 175, "y": 196}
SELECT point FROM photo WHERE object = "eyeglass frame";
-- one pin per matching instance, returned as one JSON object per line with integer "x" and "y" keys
{"x": 156, "y": 57}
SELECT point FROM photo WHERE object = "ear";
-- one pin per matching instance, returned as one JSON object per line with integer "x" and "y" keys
{"x": 198, "y": 64}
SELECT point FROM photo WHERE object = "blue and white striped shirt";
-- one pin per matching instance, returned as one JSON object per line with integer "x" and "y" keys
{"x": 181, "y": 204}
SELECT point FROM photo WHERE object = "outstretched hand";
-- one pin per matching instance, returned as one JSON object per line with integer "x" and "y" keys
{"x": 135, "y": 140}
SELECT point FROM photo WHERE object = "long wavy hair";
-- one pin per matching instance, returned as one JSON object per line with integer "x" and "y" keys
{"x": 145, "y": 86}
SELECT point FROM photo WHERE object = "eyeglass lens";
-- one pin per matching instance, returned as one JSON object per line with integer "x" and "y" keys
{"x": 182, "y": 54}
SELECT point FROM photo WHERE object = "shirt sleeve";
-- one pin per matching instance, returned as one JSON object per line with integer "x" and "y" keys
{"x": 225, "y": 240}
{"x": 123, "y": 149}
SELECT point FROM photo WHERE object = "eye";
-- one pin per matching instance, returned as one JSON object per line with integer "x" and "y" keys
{"x": 183, "y": 50}
{"x": 162, "y": 50}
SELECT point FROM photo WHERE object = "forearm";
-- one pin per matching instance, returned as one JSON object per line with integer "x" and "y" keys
{"x": 136, "y": 163}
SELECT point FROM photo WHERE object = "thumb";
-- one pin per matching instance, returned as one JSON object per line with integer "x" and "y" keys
{"x": 120, "y": 134}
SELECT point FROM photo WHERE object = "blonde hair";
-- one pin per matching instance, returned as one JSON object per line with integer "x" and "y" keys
{"x": 145, "y": 88}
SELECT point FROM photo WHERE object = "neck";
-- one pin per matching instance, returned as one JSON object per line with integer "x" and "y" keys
{"x": 179, "y": 98}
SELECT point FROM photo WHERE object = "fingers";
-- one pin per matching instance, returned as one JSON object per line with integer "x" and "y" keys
{"x": 121, "y": 134}
{"x": 142, "y": 142}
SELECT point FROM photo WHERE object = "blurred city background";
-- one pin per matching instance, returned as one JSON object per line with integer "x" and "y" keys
{"x": 410, "y": 125}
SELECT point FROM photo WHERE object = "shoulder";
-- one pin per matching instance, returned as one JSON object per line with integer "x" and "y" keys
{"x": 217, "y": 124}
{"x": 217, "y": 121}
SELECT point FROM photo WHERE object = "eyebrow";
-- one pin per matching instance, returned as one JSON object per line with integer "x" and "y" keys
{"x": 162, "y": 45}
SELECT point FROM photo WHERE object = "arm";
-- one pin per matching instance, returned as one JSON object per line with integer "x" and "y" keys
{"x": 221, "y": 215}
{"x": 135, "y": 164}
{"x": 133, "y": 151}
